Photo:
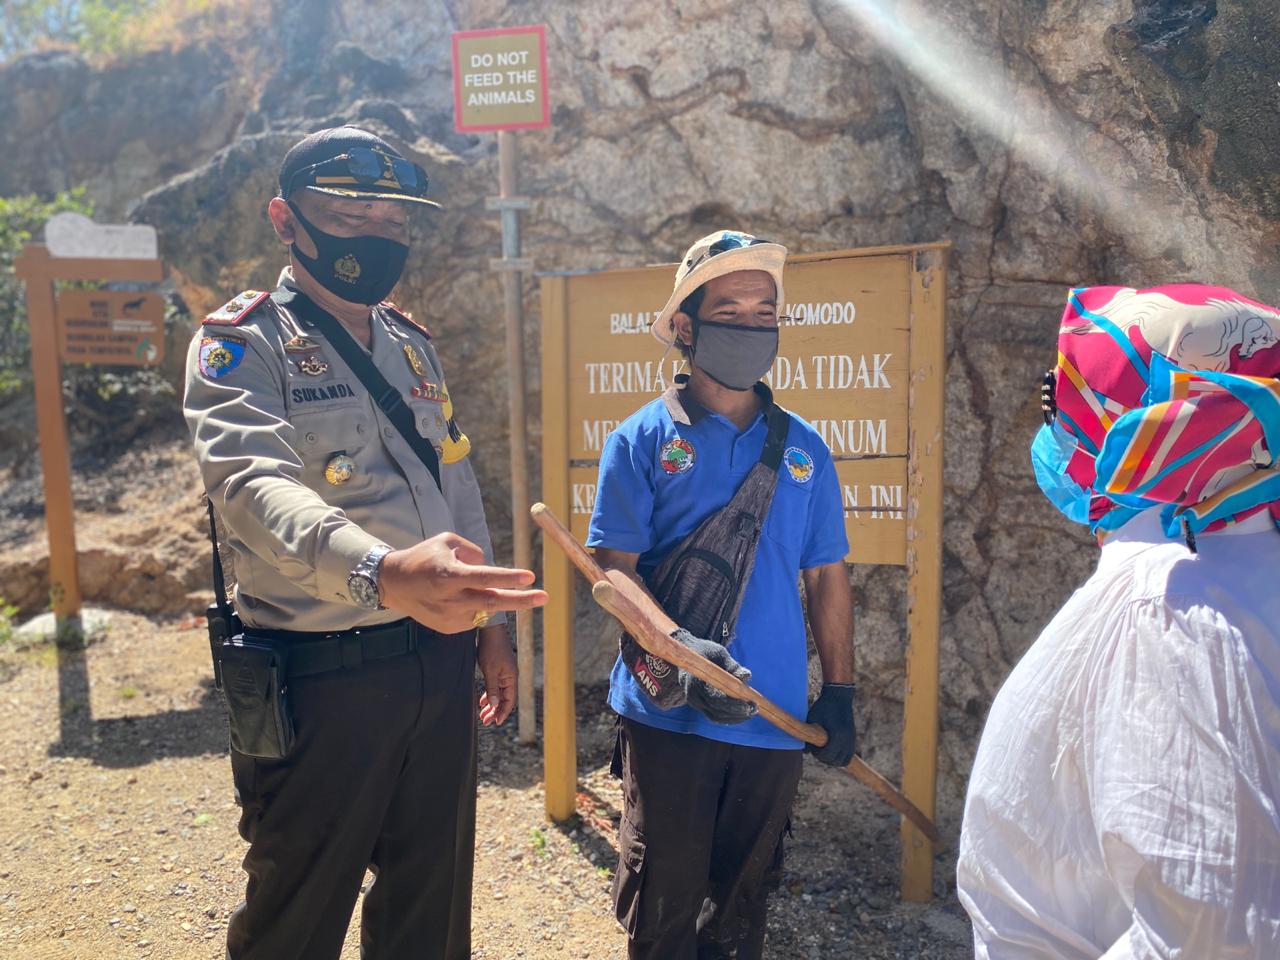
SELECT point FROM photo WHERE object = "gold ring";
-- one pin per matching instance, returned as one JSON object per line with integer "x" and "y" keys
{"x": 480, "y": 619}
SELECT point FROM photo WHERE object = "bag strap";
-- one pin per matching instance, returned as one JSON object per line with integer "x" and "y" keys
{"x": 779, "y": 422}
{"x": 219, "y": 582}
{"x": 387, "y": 397}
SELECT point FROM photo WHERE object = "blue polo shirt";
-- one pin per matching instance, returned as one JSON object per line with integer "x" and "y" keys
{"x": 667, "y": 468}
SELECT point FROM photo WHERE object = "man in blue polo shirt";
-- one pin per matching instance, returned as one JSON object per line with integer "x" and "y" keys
{"x": 708, "y": 791}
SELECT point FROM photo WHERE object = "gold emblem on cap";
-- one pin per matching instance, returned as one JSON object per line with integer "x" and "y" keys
{"x": 415, "y": 362}
{"x": 313, "y": 366}
{"x": 348, "y": 268}
{"x": 339, "y": 469}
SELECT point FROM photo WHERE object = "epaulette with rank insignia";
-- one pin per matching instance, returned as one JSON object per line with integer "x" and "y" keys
{"x": 236, "y": 310}
{"x": 399, "y": 314}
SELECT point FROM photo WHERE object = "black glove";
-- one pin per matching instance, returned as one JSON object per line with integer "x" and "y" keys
{"x": 716, "y": 706}
{"x": 833, "y": 711}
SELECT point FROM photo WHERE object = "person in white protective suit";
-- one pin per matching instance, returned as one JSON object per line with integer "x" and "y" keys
{"x": 1123, "y": 801}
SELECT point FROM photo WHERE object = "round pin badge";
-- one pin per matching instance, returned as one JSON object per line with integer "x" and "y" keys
{"x": 799, "y": 464}
{"x": 677, "y": 456}
{"x": 339, "y": 469}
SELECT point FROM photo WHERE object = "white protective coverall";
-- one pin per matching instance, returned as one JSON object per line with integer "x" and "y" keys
{"x": 1123, "y": 803}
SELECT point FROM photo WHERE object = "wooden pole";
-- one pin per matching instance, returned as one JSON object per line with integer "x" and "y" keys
{"x": 35, "y": 267}
{"x": 521, "y": 547}
{"x": 927, "y": 379}
{"x": 559, "y": 723}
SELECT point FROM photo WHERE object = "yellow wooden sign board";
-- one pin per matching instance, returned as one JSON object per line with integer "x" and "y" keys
{"x": 500, "y": 79}
{"x": 110, "y": 327}
{"x": 862, "y": 358}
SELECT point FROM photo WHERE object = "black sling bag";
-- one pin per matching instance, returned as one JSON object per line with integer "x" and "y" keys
{"x": 700, "y": 582}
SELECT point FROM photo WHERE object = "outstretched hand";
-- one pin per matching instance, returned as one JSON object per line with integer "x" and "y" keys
{"x": 445, "y": 584}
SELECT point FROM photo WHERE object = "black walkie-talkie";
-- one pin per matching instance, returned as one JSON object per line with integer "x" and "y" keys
{"x": 224, "y": 623}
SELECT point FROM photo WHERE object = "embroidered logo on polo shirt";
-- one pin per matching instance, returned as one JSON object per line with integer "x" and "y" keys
{"x": 677, "y": 456}
{"x": 799, "y": 464}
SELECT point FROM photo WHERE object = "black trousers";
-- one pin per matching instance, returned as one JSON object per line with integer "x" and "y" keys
{"x": 700, "y": 845}
{"x": 383, "y": 775}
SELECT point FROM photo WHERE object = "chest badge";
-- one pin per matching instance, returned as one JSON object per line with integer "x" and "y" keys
{"x": 300, "y": 344}
{"x": 313, "y": 366}
{"x": 339, "y": 469}
{"x": 799, "y": 464}
{"x": 415, "y": 362}
{"x": 677, "y": 456}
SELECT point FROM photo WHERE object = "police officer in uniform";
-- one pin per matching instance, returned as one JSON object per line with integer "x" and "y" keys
{"x": 376, "y": 577}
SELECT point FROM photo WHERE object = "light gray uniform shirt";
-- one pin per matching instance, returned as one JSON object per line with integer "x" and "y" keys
{"x": 304, "y": 469}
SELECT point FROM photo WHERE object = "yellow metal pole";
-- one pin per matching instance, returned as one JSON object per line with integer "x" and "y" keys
{"x": 559, "y": 724}
{"x": 927, "y": 373}
{"x": 34, "y": 266}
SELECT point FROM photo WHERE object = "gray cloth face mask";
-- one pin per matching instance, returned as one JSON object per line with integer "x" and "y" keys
{"x": 734, "y": 355}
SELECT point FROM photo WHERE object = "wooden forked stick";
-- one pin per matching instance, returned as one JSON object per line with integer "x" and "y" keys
{"x": 652, "y": 628}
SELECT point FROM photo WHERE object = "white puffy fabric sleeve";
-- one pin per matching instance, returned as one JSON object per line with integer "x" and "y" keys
{"x": 1181, "y": 754}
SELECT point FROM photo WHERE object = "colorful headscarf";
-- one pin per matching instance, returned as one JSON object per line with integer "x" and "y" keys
{"x": 1164, "y": 397}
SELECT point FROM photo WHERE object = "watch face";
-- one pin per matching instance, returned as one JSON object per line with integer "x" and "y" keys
{"x": 363, "y": 591}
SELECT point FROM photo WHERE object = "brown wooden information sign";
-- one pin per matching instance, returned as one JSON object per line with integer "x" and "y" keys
{"x": 861, "y": 357}
{"x": 110, "y": 327}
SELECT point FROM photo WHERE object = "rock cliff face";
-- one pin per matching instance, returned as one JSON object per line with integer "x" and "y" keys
{"x": 1054, "y": 142}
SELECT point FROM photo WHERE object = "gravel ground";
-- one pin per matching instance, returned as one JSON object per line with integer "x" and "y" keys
{"x": 118, "y": 829}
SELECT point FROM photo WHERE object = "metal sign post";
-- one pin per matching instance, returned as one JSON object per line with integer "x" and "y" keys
{"x": 95, "y": 253}
{"x": 500, "y": 84}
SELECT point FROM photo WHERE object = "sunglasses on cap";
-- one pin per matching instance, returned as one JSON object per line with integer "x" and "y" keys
{"x": 363, "y": 166}
{"x": 730, "y": 241}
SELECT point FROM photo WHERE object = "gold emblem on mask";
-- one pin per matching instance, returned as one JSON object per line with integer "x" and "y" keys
{"x": 348, "y": 268}
{"x": 339, "y": 469}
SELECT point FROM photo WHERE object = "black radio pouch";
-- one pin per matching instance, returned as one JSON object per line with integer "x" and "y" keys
{"x": 251, "y": 673}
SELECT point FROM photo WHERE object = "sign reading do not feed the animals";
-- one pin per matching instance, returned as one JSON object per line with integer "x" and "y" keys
{"x": 500, "y": 79}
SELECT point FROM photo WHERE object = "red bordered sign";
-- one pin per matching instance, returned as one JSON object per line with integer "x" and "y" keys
{"x": 500, "y": 79}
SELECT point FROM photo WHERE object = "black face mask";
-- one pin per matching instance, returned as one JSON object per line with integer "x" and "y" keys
{"x": 357, "y": 269}
{"x": 734, "y": 355}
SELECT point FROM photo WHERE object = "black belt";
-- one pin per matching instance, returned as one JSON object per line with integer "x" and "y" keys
{"x": 312, "y": 653}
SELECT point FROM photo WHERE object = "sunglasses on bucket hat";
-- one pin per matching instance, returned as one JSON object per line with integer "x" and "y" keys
{"x": 362, "y": 166}
{"x": 729, "y": 241}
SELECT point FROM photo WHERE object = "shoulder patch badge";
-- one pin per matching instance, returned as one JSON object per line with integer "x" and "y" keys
{"x": 799, "y": 464}
{"x": 404, "y": 317}
{"x": 677, "y": 456}
{"x": 235, "y": 310}
{"x": 220, "y": 355}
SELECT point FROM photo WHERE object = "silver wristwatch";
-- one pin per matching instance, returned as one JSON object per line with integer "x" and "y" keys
{"x": 362, "y": 584}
